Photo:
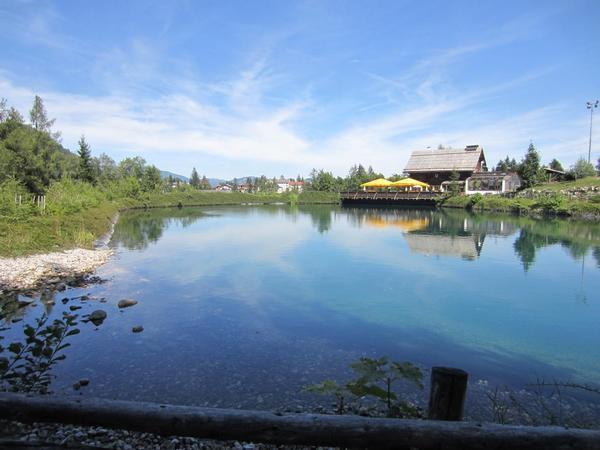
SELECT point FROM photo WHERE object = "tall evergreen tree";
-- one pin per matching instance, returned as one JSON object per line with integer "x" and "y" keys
{"x": 195, "y": 179}
{"x": 86, "y": 170}
{"x": 529, "y": 170}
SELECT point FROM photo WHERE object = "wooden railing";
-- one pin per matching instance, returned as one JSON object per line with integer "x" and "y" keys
{"x": 443, "y": 430}
{"x": 390, "y": 195}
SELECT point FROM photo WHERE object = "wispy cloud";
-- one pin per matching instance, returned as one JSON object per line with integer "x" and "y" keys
{"x": 146, "y": 99}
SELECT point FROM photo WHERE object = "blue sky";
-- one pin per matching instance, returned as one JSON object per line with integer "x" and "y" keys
{"x": 250, "y": 87}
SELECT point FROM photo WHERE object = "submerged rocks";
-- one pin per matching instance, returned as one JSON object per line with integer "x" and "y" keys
{"x": 126, "y": 303}
{"x": 97, "y": 317}
{"x": 137, "y": 329}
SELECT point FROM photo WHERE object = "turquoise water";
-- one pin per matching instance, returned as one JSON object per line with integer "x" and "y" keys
{"x": 242, "y": 306}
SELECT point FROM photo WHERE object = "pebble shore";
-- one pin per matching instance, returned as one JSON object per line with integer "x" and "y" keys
{"x": 70, "y": 436}
{"x": 31, "y": 272}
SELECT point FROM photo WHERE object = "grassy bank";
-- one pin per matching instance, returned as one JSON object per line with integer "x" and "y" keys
{"x": 546, "y": 199}
{"x": 76, "y": 213}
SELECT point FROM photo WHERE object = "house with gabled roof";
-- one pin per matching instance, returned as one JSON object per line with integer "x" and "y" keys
{"x": 435, "y": 166}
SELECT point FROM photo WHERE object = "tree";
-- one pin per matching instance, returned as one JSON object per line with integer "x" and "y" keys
{"x": 529, "y": 170}
{"x": 507, "y": 165}
{"x": 86, "y": 170}
{"x": 151, "y": 179}
{"x": 133, "y": 167}
{"x": 4, "y": 110}
{"x": 582, "y": 169}
{"x": 39, "y": 118}
{"x": 194, "y": 179}
{"x": 107, "y": 168}
{"x": 205, "y": 184}
{"x": 454, "y": 185}
{"x": 15, "y": 116}
{"x": 323, "y": 181}
{"x": 556, "y": 165}
{"x": 598, "y": 165}
{"x": 236, "y": 185}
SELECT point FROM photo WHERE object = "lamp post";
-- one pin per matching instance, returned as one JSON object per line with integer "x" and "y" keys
{"x": 591, "y": 106}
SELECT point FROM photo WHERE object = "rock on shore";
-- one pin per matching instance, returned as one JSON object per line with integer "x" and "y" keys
{"x": 30, "y": 272}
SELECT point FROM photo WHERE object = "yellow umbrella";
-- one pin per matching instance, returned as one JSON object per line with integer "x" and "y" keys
{"x": 409, "y": 182}
{"x": 378, "y": 183}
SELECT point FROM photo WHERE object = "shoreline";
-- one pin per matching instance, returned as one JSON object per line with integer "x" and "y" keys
{"x": 57, "y": 269}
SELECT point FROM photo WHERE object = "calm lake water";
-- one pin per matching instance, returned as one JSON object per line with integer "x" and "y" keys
{"x": 243, "y": 306}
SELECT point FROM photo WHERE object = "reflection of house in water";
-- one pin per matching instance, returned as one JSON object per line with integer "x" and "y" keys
{"x": 466, "y": 247}
{"x": 458, "y": 236}
{"x": 432, "y": 232}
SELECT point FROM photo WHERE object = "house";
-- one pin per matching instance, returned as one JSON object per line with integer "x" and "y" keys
{"x": 224, "y": 188}
{"x": 284, "y": 185}
{"x": 297, "y": 186}
{"x": 436, "y": 166}
{"x": 492, "y": 183}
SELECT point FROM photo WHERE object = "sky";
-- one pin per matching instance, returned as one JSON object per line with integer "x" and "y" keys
{"x": 237, "y": 88}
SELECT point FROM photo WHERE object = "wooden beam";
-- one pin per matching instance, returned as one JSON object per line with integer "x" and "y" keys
{"x": 293, "y": 429}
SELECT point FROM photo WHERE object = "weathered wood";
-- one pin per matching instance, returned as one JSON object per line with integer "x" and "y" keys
{"x": 300, "y": 429}
{"x": 448, "y": 392}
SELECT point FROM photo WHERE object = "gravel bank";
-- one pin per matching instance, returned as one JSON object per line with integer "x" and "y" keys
{"x": 70, "y": 436}
{"x": 30, "y": 272}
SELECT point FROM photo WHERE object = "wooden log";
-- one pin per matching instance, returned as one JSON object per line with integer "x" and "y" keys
{"x": 293, "y": 429}
{"x": 448, "y": 392}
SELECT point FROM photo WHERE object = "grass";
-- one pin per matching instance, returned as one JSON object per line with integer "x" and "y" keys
{"x": 77, "y": 214}
{"x": 588, "y": 181}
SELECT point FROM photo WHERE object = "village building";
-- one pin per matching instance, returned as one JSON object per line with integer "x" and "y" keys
{"x": 436, "y": 166}
{"x": 284, "y": 185}
{"x": 492, "y": 183}
{"x": 224, "y": 188}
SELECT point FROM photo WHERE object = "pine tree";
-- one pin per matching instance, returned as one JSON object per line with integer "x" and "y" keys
{"x": 529, "y": 170}
{"x": 195, "y": 179}
{"x": 86, "y": 171}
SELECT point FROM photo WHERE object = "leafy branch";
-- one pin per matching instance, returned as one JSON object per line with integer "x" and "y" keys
{"x": 27, "y": 368}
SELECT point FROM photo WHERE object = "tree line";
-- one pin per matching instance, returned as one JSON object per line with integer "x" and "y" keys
{"x": 532, "y": 172}
{"x": 31, "y": 155}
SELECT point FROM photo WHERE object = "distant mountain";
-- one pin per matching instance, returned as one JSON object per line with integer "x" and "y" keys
{"x": 166, "y": 173}
{"x": 214, "y": 182}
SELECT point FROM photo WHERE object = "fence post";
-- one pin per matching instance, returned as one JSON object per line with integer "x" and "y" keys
{"x": 448, "y": 391}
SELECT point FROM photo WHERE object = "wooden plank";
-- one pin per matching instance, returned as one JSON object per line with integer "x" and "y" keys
{"x": 293, "y": 429}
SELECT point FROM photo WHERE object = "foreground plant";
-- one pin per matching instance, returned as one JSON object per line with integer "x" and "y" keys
{"x": 28, "y": 364}
{"x": 375, "y": 380}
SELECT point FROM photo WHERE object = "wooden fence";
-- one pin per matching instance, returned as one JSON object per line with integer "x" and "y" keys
{"x": 446, "y": 402}
{"x": 37, "y": 200}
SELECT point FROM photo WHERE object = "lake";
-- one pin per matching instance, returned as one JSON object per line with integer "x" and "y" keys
{"x": 243, "y": 306}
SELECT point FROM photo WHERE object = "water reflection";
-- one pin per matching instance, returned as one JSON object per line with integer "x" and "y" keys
{"x": 138, "y": 229}
{"x": 459, "y": 234}
{"x": 426, "y": 231}
{"x": 577, "y": 237}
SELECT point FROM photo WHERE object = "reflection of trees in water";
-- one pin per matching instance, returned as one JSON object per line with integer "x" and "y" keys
{"x": 13, "y": 307}
{"x": 321, "y": 215}
{"x": 459, "y": 233}
{"x": 137, "y": 229}
{"x": 577, "y": 237}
